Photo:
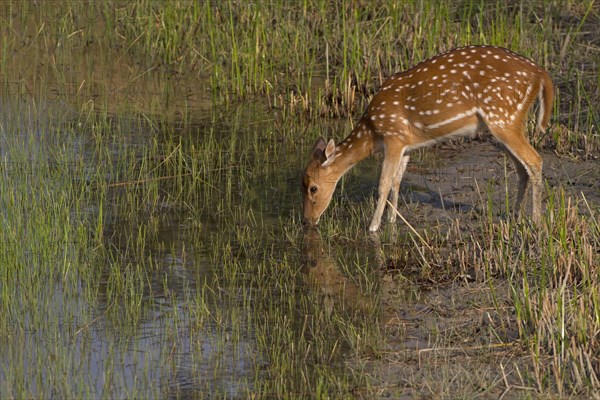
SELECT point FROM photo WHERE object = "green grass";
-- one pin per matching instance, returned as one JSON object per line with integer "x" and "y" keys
{"x": 151, "y": 247}
{"x": 296, "y": 56}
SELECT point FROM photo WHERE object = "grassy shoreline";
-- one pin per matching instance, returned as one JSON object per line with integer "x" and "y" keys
{"x": 318, "y": 58}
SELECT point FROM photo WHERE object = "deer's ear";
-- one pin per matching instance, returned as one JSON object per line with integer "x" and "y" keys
{"x": 318, "y": 149}
{"x": 330, "y": 149}
{"x": 330, "y": 153}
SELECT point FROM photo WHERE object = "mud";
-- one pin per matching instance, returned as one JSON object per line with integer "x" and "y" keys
{"x": 456, "y": 181}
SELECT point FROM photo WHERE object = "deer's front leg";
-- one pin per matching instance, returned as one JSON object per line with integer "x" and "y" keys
{"x": 396, "y": 189}
{"x": 391, "y": 166}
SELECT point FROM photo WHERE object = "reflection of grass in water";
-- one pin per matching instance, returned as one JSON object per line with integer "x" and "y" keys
{"x": 87, "y": 242}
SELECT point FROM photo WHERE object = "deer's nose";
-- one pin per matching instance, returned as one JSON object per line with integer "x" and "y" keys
{"x": 310, "y": 221}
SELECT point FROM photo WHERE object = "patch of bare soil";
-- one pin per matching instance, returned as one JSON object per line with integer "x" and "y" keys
{"x": 448, "y": 341}
{"x": 460, "y": 178}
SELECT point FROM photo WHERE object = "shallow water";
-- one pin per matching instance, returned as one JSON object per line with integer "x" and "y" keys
{"x": 166, "y": 296}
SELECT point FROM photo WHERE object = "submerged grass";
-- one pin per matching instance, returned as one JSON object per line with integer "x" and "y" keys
{"x": 151, "y": 246}
{"x": 157, "y": 240}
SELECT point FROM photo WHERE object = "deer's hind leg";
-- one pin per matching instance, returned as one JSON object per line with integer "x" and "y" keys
{"x": 528, "y": 164}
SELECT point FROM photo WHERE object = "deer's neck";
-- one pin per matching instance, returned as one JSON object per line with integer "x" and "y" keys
{"x": 357, "y": 146}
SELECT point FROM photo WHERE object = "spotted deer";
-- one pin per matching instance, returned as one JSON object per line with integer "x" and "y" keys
{"x": 460, "y": 92}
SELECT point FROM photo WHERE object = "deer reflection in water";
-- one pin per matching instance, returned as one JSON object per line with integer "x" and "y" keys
{"x": 337, "y": 290}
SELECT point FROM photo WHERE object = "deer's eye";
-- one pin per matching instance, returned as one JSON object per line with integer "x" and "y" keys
{"x": 313, "y": 189}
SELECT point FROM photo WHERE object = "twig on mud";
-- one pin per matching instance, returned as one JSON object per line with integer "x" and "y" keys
{"x": 464, "y": 348}
{"x": 514, "y": 387}
{"x": 409, "y": 225}
{"x": 389, "y": 355}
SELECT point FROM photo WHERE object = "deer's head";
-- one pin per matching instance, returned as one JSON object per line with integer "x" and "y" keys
{"x": 319, "y": 180}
